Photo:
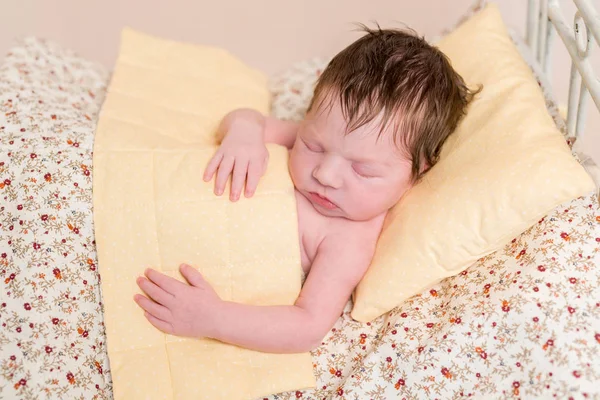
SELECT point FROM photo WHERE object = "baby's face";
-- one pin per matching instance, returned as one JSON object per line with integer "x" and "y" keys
{"x": 355, "y": 176}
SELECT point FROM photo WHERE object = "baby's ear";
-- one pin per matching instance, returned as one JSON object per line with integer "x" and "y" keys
{"x": 425, "y": 166}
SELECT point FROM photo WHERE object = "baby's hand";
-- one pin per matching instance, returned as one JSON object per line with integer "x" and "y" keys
{"x": 178, "y": 308}
{"x": 242, "y": 154}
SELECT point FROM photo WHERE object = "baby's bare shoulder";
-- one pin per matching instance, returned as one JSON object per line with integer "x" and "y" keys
{"x": 350, "y": 232}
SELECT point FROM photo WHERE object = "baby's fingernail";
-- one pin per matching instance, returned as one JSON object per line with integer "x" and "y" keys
{"x": 219, "y": 192}
{"x": 249, "y": 193}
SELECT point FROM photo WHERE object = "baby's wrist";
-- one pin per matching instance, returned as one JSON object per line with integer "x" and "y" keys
{"x": 219, "y": 320}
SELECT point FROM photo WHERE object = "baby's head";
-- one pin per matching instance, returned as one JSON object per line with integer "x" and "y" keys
{"x": 380, "y": 113}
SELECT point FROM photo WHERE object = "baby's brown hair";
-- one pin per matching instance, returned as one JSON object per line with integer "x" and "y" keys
{"x": 398, "y": 73}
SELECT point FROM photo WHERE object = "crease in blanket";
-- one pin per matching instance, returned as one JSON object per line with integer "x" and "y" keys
{"x": 152, "y": 209}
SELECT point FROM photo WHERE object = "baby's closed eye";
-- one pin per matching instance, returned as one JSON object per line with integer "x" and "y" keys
{"x": 365, "y": 171}
{"x": 315, "y": 148}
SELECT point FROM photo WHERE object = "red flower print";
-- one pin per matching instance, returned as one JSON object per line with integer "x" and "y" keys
{"x": 399, "y": 383}
{"x": 36, "y": 246}
{"x": 57, "y": 273}
{"x": 571, "y": 309}
{"x": 521, "y": 254}
{"x": 404, "y": 315}
{"x": 505, "y": 306}
{"x": 55, "y": 321}
{"x": 363, "y": 338}
{"x": 573, "y": 280}
{"x": 481, "y": 353}
{"x": 48, "y": 349}
{"x": 27, "y": 306}
{"x": 433, "y": 292}
{"x": 389, "y": 359}
{"x": 48, "y": 177}
{"x": 70, "y": 378}
{"x": 394, "y": 332}
{"x": 20, "y": 207}
{"x": 53, "y": 116}
{"x": 541, "y": 268}
{"x": 577, "y": 374}
{"x": 22, "y": 382}
{"x": 458, "y": 320}
{"x": 298, "y": 394}
{"x": 420, "y": 349}
{"x": 536, "y": 319}
{"x": 430, "y": 325}
{"x": 44, "y": 217}
{"x": 565, "y": 236}
{"x": 340, "y": 392}
{"x": 7, "y": 182}
{"x": 549, "y": 343}
{"x": 446, "y": 373}
{"x": 33, "y": 155}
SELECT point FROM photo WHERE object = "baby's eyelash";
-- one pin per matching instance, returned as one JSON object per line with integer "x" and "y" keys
{"x": 312, "y": 148}
{"x": 362, "y": 174}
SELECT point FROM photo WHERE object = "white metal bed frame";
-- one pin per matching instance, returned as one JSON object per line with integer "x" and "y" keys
{"x": 546, "y": 16}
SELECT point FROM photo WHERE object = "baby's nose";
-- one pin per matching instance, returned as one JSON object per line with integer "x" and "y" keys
{"x": 328, "y": 172}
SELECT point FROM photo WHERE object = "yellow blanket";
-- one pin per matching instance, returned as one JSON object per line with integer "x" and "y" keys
{"x": 152, "y": 209}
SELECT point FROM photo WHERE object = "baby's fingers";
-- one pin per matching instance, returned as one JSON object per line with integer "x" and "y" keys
{"x": 224, "y": 170}
{"x": 212, "y": 166}
{"x": 237, "y": 181}
{"x": 255, "y": 171}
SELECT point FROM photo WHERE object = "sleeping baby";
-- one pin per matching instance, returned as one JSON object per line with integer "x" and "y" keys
{"x": 380, "y": 113}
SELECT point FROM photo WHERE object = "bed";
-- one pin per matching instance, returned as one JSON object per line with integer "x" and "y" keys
{"x": 521, "y": 322}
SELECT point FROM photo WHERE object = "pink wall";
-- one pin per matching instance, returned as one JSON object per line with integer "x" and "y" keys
{"x": 267, "y": 34}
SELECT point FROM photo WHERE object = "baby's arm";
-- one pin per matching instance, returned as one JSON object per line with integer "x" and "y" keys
{"x": 273, "y": 130}
{"x": 195, "y": 309}
{"x": 336, "y": 270}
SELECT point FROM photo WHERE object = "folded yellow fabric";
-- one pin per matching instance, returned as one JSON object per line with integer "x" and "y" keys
{"x": 151, "y": 208}
{"x": 504, "y": 168}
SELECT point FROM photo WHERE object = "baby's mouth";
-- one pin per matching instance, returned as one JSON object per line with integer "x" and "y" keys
{"x": 322, "y": 201}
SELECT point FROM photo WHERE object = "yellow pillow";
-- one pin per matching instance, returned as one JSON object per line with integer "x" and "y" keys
{"x": 504, "y": 168}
